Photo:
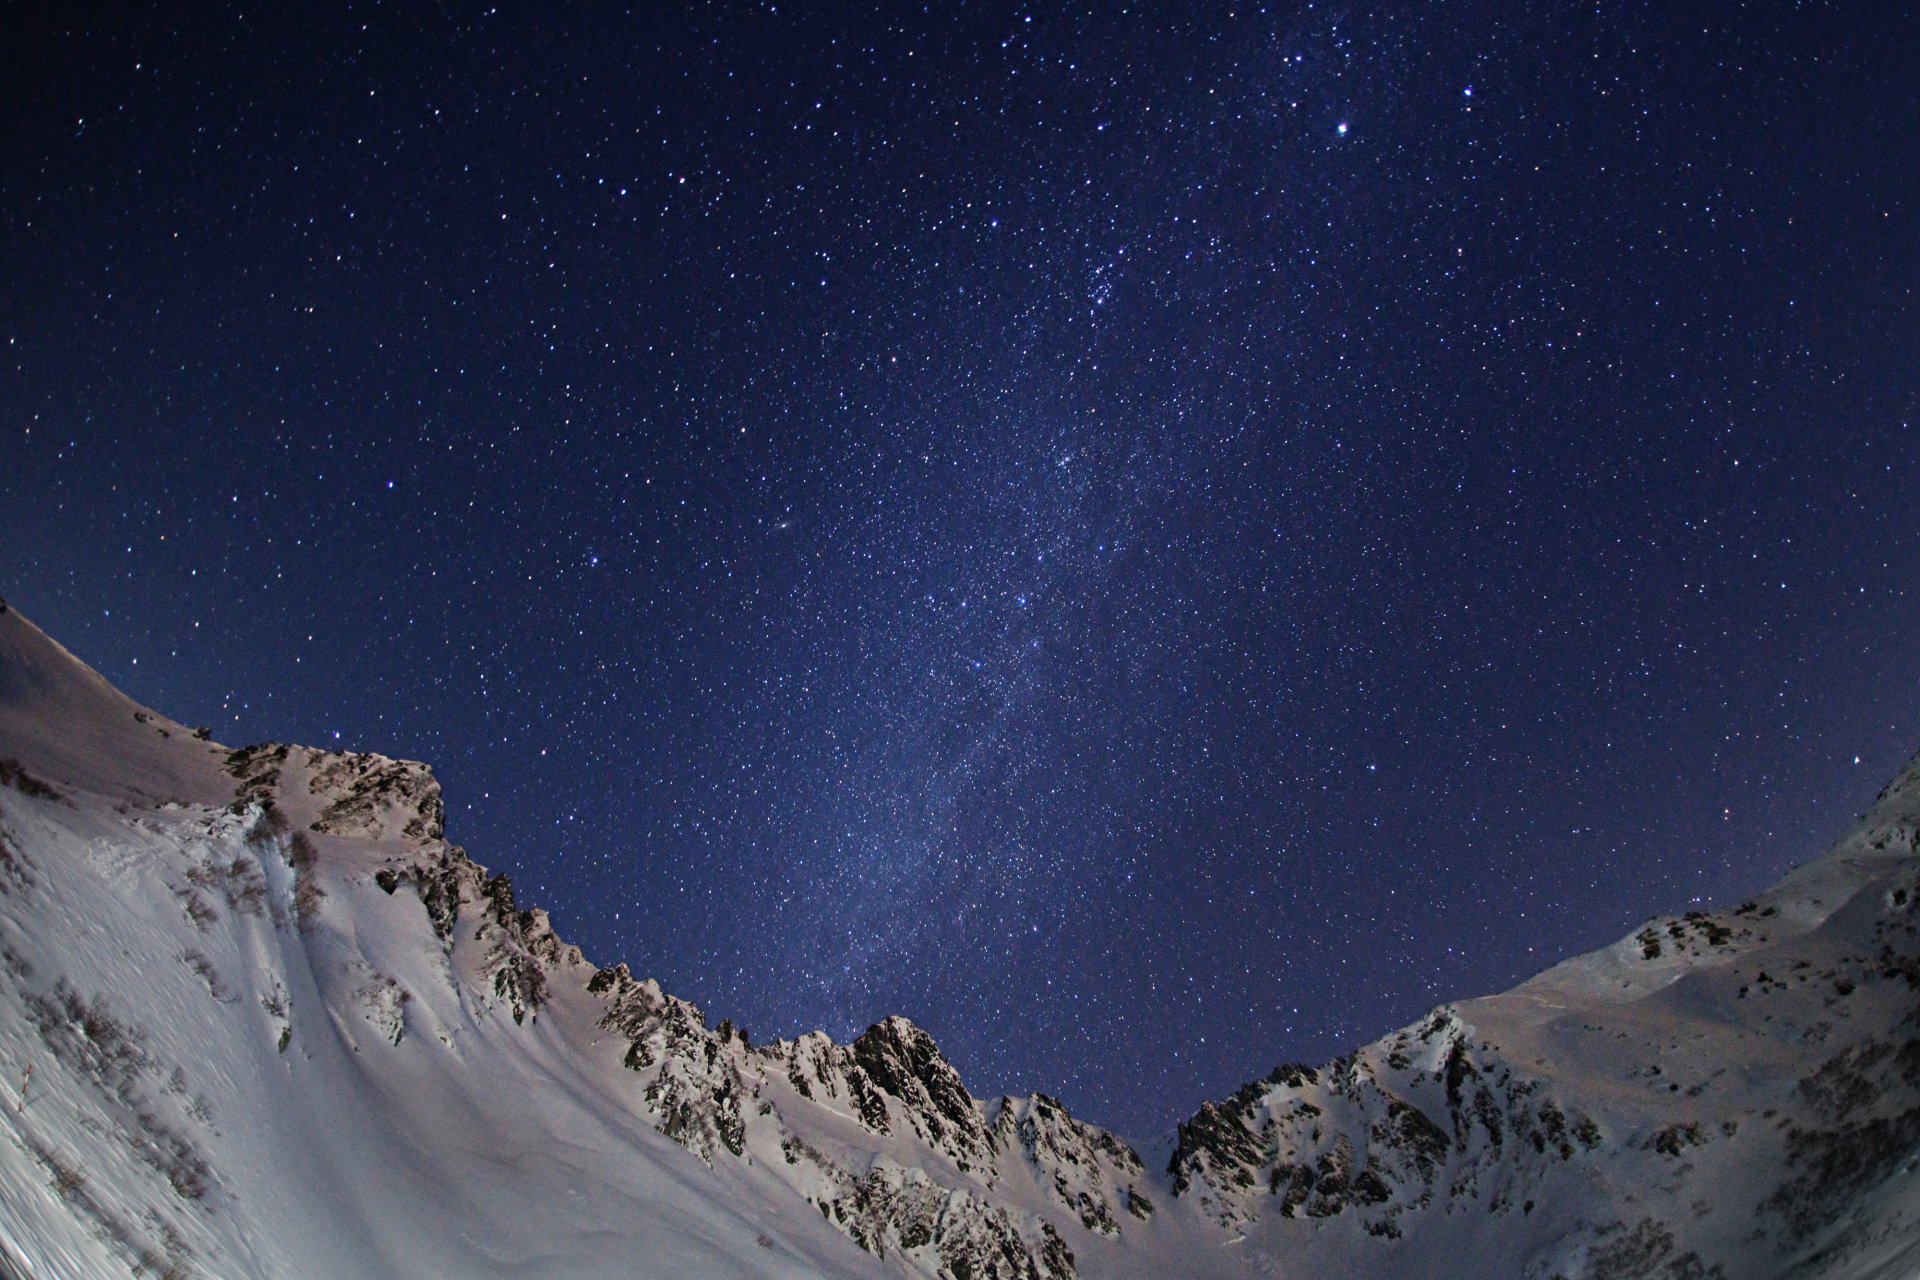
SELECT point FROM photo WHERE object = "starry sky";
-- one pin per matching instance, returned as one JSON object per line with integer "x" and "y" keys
{"x": 1152, "y": 540}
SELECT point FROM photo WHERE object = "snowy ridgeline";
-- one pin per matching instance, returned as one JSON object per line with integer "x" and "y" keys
{"x": 277, "y": 1026}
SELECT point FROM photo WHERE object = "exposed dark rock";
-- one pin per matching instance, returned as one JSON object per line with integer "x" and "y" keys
{"x": 902, "y": 1061}
{"x": 257, "y": 770}
{"x": 1217, "y": 1140}
{"x": 1675, "y": 1138}
{"x": 1645, "y": 1253}
{"x": 1408, "y": 1128}
{"x": 373, "y": 796}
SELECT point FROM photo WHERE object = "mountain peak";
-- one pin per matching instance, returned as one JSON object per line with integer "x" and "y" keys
{"x": 905, "y": 1063}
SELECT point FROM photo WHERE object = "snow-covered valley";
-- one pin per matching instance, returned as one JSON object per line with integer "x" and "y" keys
{"x": 259, "y": 1019}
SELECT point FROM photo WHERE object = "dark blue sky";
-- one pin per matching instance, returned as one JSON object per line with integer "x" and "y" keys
{"x": 1152, "y": 542}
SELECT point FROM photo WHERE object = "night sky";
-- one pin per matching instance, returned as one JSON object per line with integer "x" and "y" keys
{"x": 1153, "y": 542}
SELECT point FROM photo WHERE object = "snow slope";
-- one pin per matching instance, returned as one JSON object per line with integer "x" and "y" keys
{"x": 279, "y": 1027}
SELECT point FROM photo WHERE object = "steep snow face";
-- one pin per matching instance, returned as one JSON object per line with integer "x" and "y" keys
{"x": 278, "y": 1027}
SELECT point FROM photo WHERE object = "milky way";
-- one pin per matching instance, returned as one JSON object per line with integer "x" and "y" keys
{"x": 1152, "y": 543}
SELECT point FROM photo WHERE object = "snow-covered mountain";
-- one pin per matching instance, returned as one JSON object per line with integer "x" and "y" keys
{"x": 278, "y": 1027}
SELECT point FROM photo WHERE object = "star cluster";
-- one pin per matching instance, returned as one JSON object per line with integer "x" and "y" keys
{"x": 1150, "y": 540}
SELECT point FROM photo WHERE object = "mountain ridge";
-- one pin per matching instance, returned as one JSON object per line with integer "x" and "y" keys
{"x": 382, "y": 961}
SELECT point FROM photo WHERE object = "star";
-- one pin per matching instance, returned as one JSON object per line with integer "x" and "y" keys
{"x": 592, "y": 336}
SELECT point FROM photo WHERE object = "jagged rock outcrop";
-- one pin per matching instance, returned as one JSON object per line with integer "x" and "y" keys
{"x": 951, "y": 1231}
{"x": 257, "y": 770}
{"x": 693, "y": 1082}
{"x": 514, "y": 950}
{"x": 717, "y": 1095}
{"x": 374, "y": 797}
{"x": 902, "y": 1062}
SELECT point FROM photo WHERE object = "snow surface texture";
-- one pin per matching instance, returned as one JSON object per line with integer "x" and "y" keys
{"x": 278, "y": 1027}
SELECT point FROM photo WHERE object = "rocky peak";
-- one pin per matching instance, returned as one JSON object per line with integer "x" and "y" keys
{"x": 903, "y": 1062}
{"x": 375, "y": 797}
